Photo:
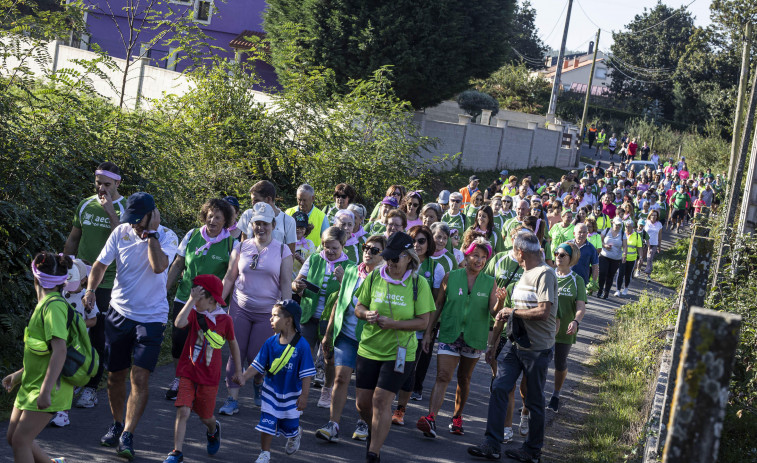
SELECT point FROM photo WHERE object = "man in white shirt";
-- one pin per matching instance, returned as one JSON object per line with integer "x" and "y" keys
{"x": 138, "y": 312}
{"x": 285, "y": 229}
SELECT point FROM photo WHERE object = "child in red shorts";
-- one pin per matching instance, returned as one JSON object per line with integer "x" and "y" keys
{"x": 199, "y": 368}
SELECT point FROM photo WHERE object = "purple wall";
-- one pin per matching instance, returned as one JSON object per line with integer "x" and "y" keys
{"x": 230, "y": 19}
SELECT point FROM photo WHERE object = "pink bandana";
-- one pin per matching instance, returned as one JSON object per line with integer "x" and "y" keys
{"x": 330, "y": 264}
{"x": 210, "y": 241}
{"x": 362, "y": 270}
{"x": 352, "y": 240}
{"x": 48, "y": 281}
{"x": 472, "y": 246}
{"x": 107, "y": 173}
{"x": 233, "y": 227}
{"x": 391, "y": 280}
{"x": 439, "y": 252}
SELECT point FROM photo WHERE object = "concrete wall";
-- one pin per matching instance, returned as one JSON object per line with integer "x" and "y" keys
{"x": 447, "y": 111}
{"x": 486, "y": 147}
{"x": 153, "y": 82}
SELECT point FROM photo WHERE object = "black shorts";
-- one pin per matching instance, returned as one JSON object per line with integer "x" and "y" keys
{"x": 124, "y": 337}
{"x": 561, "y": 356}
{"x": 679, "y": 214}
{"x": 370, "y": 374}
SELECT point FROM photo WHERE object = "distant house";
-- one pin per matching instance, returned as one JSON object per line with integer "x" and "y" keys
{"x": 576, "y": 69}
{"x": 226, "y": 23}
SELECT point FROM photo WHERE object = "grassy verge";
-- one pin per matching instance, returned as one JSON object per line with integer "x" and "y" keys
{"x": 624, "y": 367}
{"x": 669, "y": 265}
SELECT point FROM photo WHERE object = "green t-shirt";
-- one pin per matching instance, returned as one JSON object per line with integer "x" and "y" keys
{"x": 504, "y": 269}
{"x": 570, "y": 289}
{"x": 680, "y": 200}
{"x": 510, "y": 225}
{"x": 447, "y": 261}
{"x": 499, "y": 222}
{"x": 457, "y": 222}
{"x": 375, "y": 294}
{"x": 212, "y": 261}
{"x": 470, "y": 214}
{"x": 94, "y": 223}
{"x": 45, "y": 324}
{"x": 560, "y": 235}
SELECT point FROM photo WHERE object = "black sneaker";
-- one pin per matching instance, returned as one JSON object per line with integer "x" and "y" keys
{"x": 554, "y": 403}
{"x": 126, "y": 445}
{"x": 484, "y": 450}
{"x": 110, "y": 439}
{"x": 372, "y": 458}
{"x": 522, "y": 455}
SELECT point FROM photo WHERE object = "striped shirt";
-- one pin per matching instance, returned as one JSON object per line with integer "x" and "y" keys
{"x": 538, "y": 285}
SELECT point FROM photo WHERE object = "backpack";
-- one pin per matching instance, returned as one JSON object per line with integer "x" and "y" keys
{"x": 82, "y": 361}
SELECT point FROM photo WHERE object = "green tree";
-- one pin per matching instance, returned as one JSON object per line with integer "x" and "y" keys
{"x": 645, "y": 56}
{"x": 516, "y": 90}
{"x": 525, "y": 38}
{"x": 434, "y": 47}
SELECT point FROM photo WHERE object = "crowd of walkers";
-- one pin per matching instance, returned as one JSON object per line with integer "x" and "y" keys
{"x": 307, "y": 297}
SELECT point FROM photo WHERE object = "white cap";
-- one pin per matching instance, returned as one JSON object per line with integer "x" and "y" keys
{"x": 76, "y": 273}
{"x": 262, "y": 212}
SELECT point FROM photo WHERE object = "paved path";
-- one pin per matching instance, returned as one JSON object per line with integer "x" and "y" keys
{"x": 154, "y": 437}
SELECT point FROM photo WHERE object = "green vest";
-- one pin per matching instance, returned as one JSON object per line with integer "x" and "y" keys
{"x": 601, "y": 138}
{"x": 316, "y": 218}
{"x": 466, "y": 313}
{"x": 603, "y": 221}
{"x": 354, "y": 252}
{"x": 345, "y": 298}
{"x": 316, "y": 273}
{"x": 377, "y": 228}
{"x": 214, "y": 261}
{"x": 447, "y": 261}
{"x": 633, "y": 240}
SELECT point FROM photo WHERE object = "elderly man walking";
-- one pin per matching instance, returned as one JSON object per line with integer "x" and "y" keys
{"x": 529, "y": 352}
{"x": 316, "y": 217}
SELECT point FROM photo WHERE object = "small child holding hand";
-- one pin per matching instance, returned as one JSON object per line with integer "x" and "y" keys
{"x": 199, "y": 368}
{"x": 287, "y": 366}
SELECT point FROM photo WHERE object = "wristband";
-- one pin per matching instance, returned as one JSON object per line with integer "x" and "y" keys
{"x": 89, "y": 291}
{"x": 578, "y": 325}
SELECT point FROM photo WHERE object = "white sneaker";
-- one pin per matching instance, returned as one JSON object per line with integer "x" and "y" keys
{"x": 325, "y": 400}
{"x": 636, "y": 274}
{"x": 293, "y": 443}
{"x": 508, "y": 435}
{"x": 361, "y": 431}
{"x": 616, "y": 294}
{"x": 88, "y": 398}
{"x": 523, "y": 427}
{"x": 329, "y": 433}
{"x": 624, "y": 292}
{"x": 60, "y": 419}
{"x": 264, "y": 457}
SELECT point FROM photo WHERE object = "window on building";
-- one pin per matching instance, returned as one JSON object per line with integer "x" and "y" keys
{"x": 171, "y": 59}
{"x": 203, "y": 11}
{"x": 600, "y": 73}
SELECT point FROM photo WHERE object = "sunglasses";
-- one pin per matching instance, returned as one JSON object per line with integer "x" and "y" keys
{"x": 397, "y": 193}
{"x": 561, "y": 254}
{"x": 415, "y": 205}
{"x": 337, "y": 195}
{"x": 254, "y": 261}
{"x": 420, "y": 241}
{"x": 508, "y": 201}
{"x": 372, "y": 250}
{"x": 456, "y": 200}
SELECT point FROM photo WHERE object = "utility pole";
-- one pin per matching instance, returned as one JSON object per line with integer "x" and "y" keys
{"x": 733, "y": 197}
{"x": 588, "y": 93}
{"x": 558, "y": 69}
{"x": 739, "y": 116}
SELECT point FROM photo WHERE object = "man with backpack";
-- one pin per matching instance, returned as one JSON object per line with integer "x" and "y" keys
{"x": 138, "y": 312}
{"x": 95, "y": 217}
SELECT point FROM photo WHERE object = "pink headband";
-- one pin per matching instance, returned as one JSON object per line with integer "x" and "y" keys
{"x": 108, "y": 174}
{"x": 48, "y": 281}
{"x": 472, "y": 246}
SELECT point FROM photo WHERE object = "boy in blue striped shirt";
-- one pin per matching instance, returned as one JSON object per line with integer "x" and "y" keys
{"x": 287, "y": 366}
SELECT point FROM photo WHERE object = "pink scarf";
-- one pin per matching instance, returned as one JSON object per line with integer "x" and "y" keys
{"x": 352, "y": 240}
{"x": 233, "y": 227}
{"x": 360, "y": 232}
{"x": 391, "y": 280}
{"x": 210, "y": 241}
{"x": 439, "y": 252}
{"x": 330, "y": 264}
{"x": 302, "y": 242}
{"x": 362, "y": 270}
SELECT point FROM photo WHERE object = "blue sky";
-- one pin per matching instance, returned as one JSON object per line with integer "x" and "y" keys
{"x": 611, "y": 15}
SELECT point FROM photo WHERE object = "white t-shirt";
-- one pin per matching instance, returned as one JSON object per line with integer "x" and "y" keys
{"x": 74, "y": 299}
{"x": 139, "y": 294}
{"x": 285, "y": 230}
{"x": 653, "y": 230}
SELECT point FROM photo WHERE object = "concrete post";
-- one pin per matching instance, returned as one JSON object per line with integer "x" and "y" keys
{"x": 143, "y": 62}
{"x": 56, "y": 55}
{"x": 693, "y": 293}
{"x": 701, "y": 394}
{"x": 486, "y": 116}
{"x": 464, "y": 118}
{"x": 532, "y": 125}
{"x": 501, "y": 122}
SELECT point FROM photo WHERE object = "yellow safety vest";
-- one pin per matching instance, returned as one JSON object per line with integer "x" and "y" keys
{"x": 316, "y": 219}
{"x": 601, "y": 138}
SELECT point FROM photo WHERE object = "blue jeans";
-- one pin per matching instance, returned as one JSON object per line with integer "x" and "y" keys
{"x": 510, "y": 364}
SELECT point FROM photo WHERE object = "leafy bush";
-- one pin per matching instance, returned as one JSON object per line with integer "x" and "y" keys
{"x": 473, "y": 101}
{"x": 516, "y": 90}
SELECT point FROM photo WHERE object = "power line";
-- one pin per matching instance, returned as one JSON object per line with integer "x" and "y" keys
{"x": 556, "y": 23}
{"x": 680, "y": 10}
{"x": 639, "y": 69}
{"x": 526, "y": 58}
{"x": 616, "y": 68}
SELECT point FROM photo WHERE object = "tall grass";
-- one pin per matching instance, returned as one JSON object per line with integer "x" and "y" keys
{"x": 624, "y": 367}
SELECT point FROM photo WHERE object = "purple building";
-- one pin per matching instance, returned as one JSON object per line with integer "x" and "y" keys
{"x": 225, "y": 23}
